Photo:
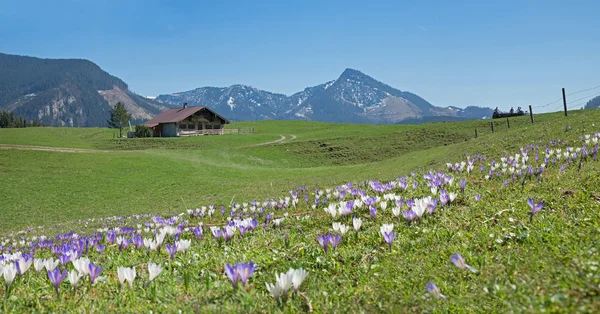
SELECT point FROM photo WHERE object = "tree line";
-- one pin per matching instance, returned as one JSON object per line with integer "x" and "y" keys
{"x": 10, "y": 120}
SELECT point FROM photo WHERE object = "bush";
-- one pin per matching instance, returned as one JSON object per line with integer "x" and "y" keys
{"x": 142, "y": 131}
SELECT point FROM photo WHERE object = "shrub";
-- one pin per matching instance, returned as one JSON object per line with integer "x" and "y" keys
{"x": 142, "y": 131}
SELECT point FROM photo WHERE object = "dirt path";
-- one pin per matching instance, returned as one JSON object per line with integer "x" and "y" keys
{"x": 49, "y": 149}
{"x": 281, "y": 139}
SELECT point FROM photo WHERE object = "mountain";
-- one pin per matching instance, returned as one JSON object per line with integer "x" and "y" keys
{"x": 66, "y": 92}
{"x": 354, "y": 97}
{"x": 593, "y": 103}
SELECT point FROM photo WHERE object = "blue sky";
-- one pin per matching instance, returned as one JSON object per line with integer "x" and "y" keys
{"x": 489, "y": 53}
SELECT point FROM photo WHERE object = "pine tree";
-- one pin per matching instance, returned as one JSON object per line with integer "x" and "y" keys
{"x": 118, "y": 118}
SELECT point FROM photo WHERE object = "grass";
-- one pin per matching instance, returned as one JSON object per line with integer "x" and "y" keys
{"x": 548, "y": 264}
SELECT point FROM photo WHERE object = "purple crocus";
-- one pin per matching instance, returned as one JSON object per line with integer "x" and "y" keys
{"x": 198, "y": 232}
{"x": 57, "y": 277}
{"x": 535, "y": 207}
{"x": 244, "y": 271}
{"x": 324, "y": 241}
{"x": 460, "y": 262}
{"x": 433, "y": 289}
{"x": 409, "y": 215}
{"x": 172, "y": 249}
{"x": 477, "y": 198}
{"x": 335, "y": 240}
{"x": 95, "y": 271}
{"x": 389, "y": 238}
{"x": 100, "y": 248}
{"x": 463, "y": 183}
{"x": 239, "y": 272}
{"x": 373, "y": 211}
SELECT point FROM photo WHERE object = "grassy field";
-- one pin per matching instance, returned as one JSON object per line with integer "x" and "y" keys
{"x": 548, "y": 262}
{"x": 126, "y": 176}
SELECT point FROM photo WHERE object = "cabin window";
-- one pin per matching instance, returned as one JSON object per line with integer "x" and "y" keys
{"x": 209, "y": 126}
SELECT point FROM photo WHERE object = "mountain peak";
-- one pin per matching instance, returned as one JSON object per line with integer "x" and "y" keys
{"x": 352, "y": 73}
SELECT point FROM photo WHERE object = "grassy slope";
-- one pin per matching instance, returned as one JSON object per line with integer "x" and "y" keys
{"x": 549, "y": 264}
{"x": 48, "y": 187}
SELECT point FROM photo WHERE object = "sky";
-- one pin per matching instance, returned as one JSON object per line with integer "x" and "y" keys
{"x": 459, "y": 53}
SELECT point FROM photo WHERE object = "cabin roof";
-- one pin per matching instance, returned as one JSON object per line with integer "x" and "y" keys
{"x": 175, "y": 115}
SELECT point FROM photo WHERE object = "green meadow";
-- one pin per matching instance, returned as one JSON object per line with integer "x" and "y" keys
{"x": 126, "y": 176}
{"x": 547, "y": 262}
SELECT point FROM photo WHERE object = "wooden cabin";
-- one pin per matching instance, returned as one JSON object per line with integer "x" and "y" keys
{"x": 187, "y": 121}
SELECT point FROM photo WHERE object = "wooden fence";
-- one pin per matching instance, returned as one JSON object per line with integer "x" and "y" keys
{"x": 216, "y": 132}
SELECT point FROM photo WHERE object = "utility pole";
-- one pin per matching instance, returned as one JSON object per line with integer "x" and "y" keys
{"x": 564, "y": 101}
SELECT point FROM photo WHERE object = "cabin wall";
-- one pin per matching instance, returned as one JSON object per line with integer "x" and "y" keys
{"x": 170, "y": 130}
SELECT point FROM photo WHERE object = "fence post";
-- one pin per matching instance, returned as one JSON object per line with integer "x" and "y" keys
{"x": 508, "y": 122}
{"x": 475, "y": 133}
{"x": 564, "y": 101}
{"x": 531, "y": 114}
{"x": 492, "y": 126}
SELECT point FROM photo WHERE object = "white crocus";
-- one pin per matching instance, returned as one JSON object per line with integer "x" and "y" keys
{"x": 356, "y": 222}
{"x": 38, "y": 264}
{"x": 298, "y": 277}
{"x": 82, "y": 265}
{"x": 386, "y": 228}
{"x": 275, "y": 289}
{"x": 9, "y": 271}
{"x": 343, "y": 229}
{"x": 396, "y": 211}
{"x": 183, "y": 245}
{"x": 24, "y": 265}
{"x": 74, "y": 277}
{"x": 153, "y": 271}
{"x": 126, "y": 274}
{"x": 50, "y": 264}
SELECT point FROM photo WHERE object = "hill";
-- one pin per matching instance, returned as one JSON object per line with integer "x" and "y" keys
{"x": 519, "y": 206}
{"x": 353, "y": 97}
{"x": 66, "y": 92}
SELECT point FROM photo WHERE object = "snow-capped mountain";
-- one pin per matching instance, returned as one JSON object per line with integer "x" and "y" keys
{"x": 354, "y": 97}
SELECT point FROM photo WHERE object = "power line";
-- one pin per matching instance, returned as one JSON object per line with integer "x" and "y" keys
{"x": 590, "y": 96}
{"x": 583, "y": 90}
{"x": 574, "y": 93}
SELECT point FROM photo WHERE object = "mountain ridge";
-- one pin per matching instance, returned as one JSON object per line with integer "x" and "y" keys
{"x": 353, "y": 97}
{"x": 66, "y": 92}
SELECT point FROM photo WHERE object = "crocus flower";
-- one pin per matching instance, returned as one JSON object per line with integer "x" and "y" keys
{"x": 477, "y": 198}
{"x": 386, "y": 228}
{"x": 153, "y": 271}
{"x": 244, "y": 271}
{"x": 535, "y": 207}
{"x": 23, "y": 265}
{"x": 460, "y": 263}
{"x": 389, "y": 238}
{"x": 183, "y": 245}
{"x": 50, "y": 264}
{"x": 463, "y": 183}
{"x": 38, "y": 264}
{"x": 74, "y": 277}
{"x": 409, "y": 215}
{"x": 82, "y": 265}
{"x": 126, "y": 274}
{"x": 9, "y": 272}
{"x": 335, "y": 240}
{"x": 172, "y": 249}
{"x": 433, "y": 289}
{"x": 95, "y": 271}
{"x": 356, "y": 222}
{"x": 324, "y": 241}
{"x": 239, "y": 272}
{"x": 275, "y": 289}
{"x": 298, "y": 277}
{"x": 57, "y": 277}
